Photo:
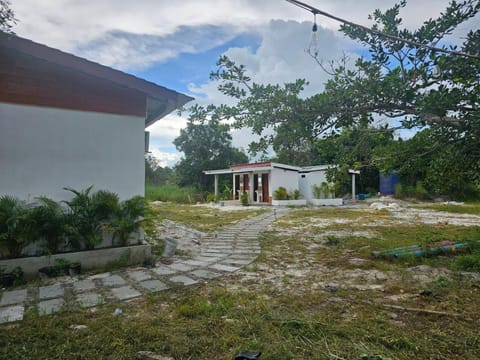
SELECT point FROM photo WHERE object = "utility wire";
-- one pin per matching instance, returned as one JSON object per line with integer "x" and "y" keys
{"x": 316, "y": 11}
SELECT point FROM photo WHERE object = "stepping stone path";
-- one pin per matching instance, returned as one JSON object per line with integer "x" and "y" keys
{"x": 222, "y": 254}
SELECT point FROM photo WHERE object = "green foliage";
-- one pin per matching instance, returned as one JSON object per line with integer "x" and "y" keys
{"x": 90, "y": 214}
{"x": 211, "y": 198}
{"x": 244, "y": 199}
{"x": 206, "y": 145}
{"x": 51, "y": 223}
{"x": 468, "y": 263}
{"x": 398, "y": 81}
{"x": 17, "y": 226}
{"x": 295, "y": 194}
{"x": 7, "y": 17}
{"x": 281, "y": 194}
{"x": 155, "y": 174}
{"x": 317, "y": 191}
{"x": 171, "y": 193}
{"x": 127, "y": 219}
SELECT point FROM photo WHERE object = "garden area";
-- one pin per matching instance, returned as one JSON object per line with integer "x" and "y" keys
{"x": 315, "y": 291}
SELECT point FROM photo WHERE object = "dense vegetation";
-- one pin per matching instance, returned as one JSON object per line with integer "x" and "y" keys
{"x": 79, "y": 223}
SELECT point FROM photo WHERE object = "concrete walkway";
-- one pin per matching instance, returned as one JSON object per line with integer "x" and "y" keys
{"x": 230, "y": 250}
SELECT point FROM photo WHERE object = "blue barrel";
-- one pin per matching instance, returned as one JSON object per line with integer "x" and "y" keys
{"x": 388, "y": 183}
{"x": 361, "y": 196}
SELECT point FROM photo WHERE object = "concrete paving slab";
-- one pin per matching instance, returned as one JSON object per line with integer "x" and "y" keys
{"x": 89, "y": 299}
{"x": 182, "y": 279}
{"x": 114, "y": 280}
{"x": 125, "y": 292}
{"x": 205, "y": 274}
{"x": 51, "y": 306}
{"x": 14, "y": 297}
{"x": 163, "y": 270}
{"x": 11, "y": 313}
{"x": 225, "y": 268}
{"x": 50, "y": 291}
{"x": 196, "y": 262}
{"x": 99, "y": 276}
{"x": 180, "y": 267}
{"x": 83, "y": 285}
{"x": 138, "y": 275}
{"x": 153, "y": 285}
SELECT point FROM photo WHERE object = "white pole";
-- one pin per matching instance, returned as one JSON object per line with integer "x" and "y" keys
{"x": 216, "y": 187}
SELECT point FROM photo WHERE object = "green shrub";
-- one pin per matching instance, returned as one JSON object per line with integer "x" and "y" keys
{"x": 281, "y": 194}
{"x": 244, "y": 199}
{"x": 89, "y": 215}
{"x": 17, "y": 226}
{"x": 295, "y": 194}
{"x": 127, "y": 219}
{"x": 398, "y": 191}
{"x": 317, "y": 191}
{"x": 51, "y": 223}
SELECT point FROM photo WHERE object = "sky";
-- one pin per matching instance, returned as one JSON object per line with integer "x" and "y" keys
{"x": 176, "y": 44}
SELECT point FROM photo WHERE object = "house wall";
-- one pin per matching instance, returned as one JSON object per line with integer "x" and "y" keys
{"x": 287, "y": 179}
{"x": 307, "y": 180}
{"x": 45, "y": 149}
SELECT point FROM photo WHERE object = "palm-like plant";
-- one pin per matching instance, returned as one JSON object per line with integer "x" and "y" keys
{"x": 51, "y": 223}
{"x": 17, "y": 226}
{"x": 127, "y": 219}
{"x": 90, "y": 214}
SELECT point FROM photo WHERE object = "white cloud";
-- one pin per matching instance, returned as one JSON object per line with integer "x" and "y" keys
{"x": 137, "y": 34}
{"x": 134, "y": 34}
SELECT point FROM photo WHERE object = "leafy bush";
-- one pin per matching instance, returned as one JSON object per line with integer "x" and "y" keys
{"x": 295, "y": 194}
{"x": 127, "y": 219}
{"x": 281, "y": 194}
{"x": 90, "y": 214}
{"x": 244, "y": 199}
{"x": 317, "y": 191}
{"x": 51, "y": 223}
{"x": 17, "y": 226}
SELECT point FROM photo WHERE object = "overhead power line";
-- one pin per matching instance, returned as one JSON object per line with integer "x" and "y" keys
{"x": 316, "y": 11}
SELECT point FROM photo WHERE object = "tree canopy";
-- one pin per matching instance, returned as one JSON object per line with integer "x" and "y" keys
{"x": 406, "y": 85}
{"x": 206, "y": 146}
{"x": 7, "y": 17}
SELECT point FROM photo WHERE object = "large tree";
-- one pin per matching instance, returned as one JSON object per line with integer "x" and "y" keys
{"x": 206, "y": 145}
{"x": 409, "y": 84}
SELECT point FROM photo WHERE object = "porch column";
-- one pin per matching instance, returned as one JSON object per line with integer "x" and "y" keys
{"x": 233, "y": 189}
{"x": 216, "y": 187}
{"x": 353, "y": 172}
{"x": 250, "y": 187}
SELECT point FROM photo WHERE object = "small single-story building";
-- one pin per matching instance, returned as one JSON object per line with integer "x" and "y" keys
{"x": 69, "y": 122}
{"x": 261, "y": 180}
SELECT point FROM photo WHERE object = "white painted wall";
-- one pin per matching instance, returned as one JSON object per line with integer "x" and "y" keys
{"x": 44, "y": 149}
{"x": 307, "y": 180}
{"x": 280, "y": 177}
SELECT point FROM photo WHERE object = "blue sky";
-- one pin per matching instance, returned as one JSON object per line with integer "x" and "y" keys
{"x": 176, "y": 44}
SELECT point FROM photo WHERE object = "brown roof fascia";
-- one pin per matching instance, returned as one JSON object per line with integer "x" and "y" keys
{"x": 91, "y": 68}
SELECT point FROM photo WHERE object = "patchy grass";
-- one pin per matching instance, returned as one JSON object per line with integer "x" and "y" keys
{"x": 200, "y": 217}
{"x": 281, "y": 305}
{"x": 171, "y": 193}
{"x": 468, "y": 208}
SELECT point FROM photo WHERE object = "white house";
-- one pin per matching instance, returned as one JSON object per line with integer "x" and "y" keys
{"x": 260, "y": 180}
{"x": 69, "y": 122}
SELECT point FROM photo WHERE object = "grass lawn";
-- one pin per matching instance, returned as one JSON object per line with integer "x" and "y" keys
{"x": 313, "y": 293}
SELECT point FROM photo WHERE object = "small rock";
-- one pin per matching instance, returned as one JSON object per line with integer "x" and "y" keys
{"x": 330, "y": 288}
{"x": 426, "y": 293}
{"x": 148, "y": 355}
{"x": 117, "y": 312}
{"x": 78, "y": 327}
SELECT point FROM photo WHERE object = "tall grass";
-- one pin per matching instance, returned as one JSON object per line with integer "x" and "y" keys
{"x": 172, "y": 193}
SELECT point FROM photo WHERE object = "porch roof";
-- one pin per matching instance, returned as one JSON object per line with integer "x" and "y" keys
{"x": 254, "y": 167}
